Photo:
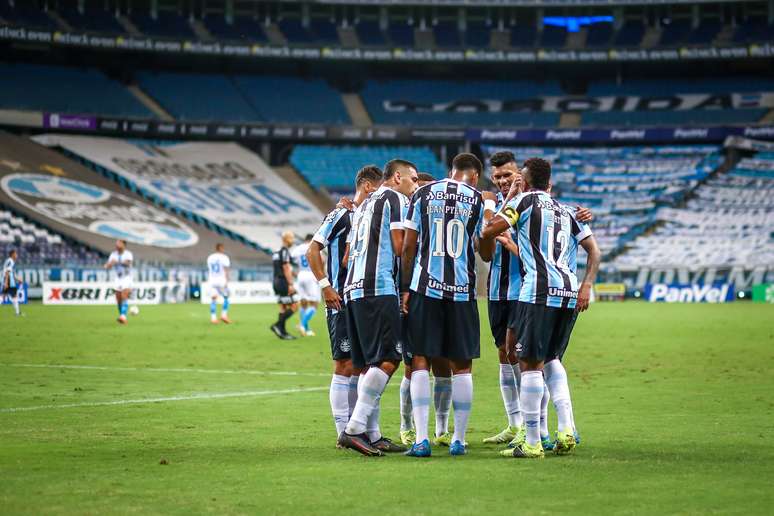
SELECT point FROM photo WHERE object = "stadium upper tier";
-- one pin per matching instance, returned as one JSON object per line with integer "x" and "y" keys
{"x": 727, "y": 222}
{"x": 334, "y": 167}
{"x": 282, "y": 26}
{"x": 624, "y": 186}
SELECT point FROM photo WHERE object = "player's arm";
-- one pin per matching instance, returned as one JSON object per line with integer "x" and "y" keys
{"x": 6, "y": 278}
{"x": 592, "y": 267}
{"x": 316, "y": 263}
{"x": 110, "y": 263}
{"x": 583, "y": 214}
{"x": 506, "y": 239}
{"x": 407, "y": 258}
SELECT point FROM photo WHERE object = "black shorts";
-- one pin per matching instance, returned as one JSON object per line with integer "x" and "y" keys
{"x": 405, "y": 342}
{"x": 337, "y": 331}
{"x": 373, "y": 324}
{"x": 502, "y": 315}
{"x": 443, "y": 328}
{"x": 281, "y": 290}
{"x": 10, "y": 291}
{"x": 543, "y": 332}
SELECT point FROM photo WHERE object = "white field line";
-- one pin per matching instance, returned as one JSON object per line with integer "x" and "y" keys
{"x": 244, "y": 394}
{"x": 168, "y": 370}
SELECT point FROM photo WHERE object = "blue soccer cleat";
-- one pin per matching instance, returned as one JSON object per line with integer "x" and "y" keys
{"x": 548, "y": 444}
{"x": 577, "y": 437}
{"x": 457, "y": 448}
{"x": 419, "y": 449}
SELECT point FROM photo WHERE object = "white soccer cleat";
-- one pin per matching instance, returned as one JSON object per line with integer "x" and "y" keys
{"x": 301, "y": 330}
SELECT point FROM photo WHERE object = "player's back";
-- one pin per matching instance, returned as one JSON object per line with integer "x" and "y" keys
{"x": 278, "y": 259}
{"x": 372, "y": 265}
{"x": 120, "y": 268}
{"x": 299, "y": 258}
{"x": 448, "y": 215}
{"x": 9, "y": 269}
{"x": 217, "y": 263}
{"x": 333, "y": 233}
{"x": 548, "y": 241}
{"x": 504, "y": 279}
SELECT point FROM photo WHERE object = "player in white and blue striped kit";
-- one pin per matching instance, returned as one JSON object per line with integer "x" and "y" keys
{"x": 11, "y": 281}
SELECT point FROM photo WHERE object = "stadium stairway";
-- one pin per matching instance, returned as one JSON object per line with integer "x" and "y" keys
{"x": 275, "y": 35}
{"x": 150, "y": 103}
{"x": 651, "y": 38}
{"x": 201, "y": 31}
{"x": 128, "y": 26}
{"x": 348, "y": 37}
{"x": 569, "y": 120}
{"x": 356, "y": 110}
{"x": 321, "y": 198}
{"x": 768, "y": 118}
{"x": 424, "y": 39}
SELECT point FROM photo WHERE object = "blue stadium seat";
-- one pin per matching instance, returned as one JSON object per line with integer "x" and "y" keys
{"x": 739, "y": 84}
{"x": 93, "y": 20}
{"x": 630, "y": 35}
{"x": 675, "y": 32}
{"x": 369, "y": 33}
{"x": 324, "y": 31}
{"x": 165, "y": 25}
{"x": 334, "y": 167}
{"x": 478, "y": 34}
{"x": 447, "y": 34}
{"x": 523, "y": 36}
{"x": 295, "y": 32}
{"x": 752, "y": 31}
{"x": 599, "y": 35}
{"x": 553, "y": 37}
{"x": 76, "y": 90}
{"x": 673, "y": 118}
{"x": 705, "y": 33}
{"x": 401, "y": 34}
{"x": 247, "y": 29}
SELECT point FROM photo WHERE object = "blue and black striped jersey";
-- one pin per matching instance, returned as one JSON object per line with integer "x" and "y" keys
{"x": 333, "y": 234}
{"x": 504, "y": 281}
{"x": 373, "y": 265}
{"x": 448, "y": 216}
{"x": 9, "y": 271}
{"x": 548, "y": 237}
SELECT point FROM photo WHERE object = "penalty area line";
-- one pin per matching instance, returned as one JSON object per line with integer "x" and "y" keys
{"x": 215, "y": 396}
{"x": 167, "y": 369}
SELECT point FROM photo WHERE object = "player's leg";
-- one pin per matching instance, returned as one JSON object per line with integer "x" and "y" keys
{"x": 14, "y": 295}
{"x": 498, "y": 322}
{"x": 226, "y": 305}
{"x": 442, "y": 399}
{"x": 214, "y": 307}
{"x": 302, "y": 315}
{"x": 556, "y": 380}
{"x": 407, "y": 432}
{"x": 545, "y": 435}
{"x": 341, "y": 383}
{"x": 118, "y": 301}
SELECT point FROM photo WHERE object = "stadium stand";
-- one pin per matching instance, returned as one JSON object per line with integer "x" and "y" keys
{"x": 447, "y": 34}
{"x": 39, "y": 246}
{"x": 295, "y": 32}
{"x": 523, "y": 36}
{"x": 25, "y": 14}
{"x": 401, "y": 34}
{"x": 93, "y": 20}
{"x": 369, "y": 33}
{"x": 553, "y": 37}
{"x": 630, "y": 35}
{"x": 624, "y": 185}
{"x": 78, "y": 90}
{"x": 241, "y": 28}
{"x": 727, "y": 222}
{"x": 675, "y": 32}
{"x": 166, "y": 24}
{"x": 752, "y": 30}
{"x": 599, "y": 34}
{"x": 334, "y": 167}
{"x": 478, "y": 34}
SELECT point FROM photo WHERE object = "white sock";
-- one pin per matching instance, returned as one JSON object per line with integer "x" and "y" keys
{"x": 406, "y": 421}
{"x": 516, "y": 375}
{"x": 462, "y": 401}
{"x": 353, "y": 381}
{"x": 339, "y": 396}
{"x": 372, "y": 426}
{"x": 544, "y": 410}
{"x": 370, "y": 389}
{"x": 531, "y": 392}
{"x": 15, "y": 302}
{"x": 556, "y": 379}
{"x": 442, "y": 397}
{"x": 510, "y": 395}
{"x": 420, "y": 400}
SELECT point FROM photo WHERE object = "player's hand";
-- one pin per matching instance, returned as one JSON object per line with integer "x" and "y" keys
{"x": 404, "y": 299}
{"x": 584, "y": 214}
{"x": 516, "y": 188}
{"x": 506, "y": 240}
{"x": 584, "y": 295}
{"x": 332, "y": 299}
{"x": 291, "y": 290}
{"x": 346, "y": 203}
{"x": 488, "y": 196}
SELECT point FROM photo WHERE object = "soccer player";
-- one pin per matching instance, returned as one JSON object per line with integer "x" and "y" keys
{"x": 330, "y": 276}
{"x": 11, "y": 280}
{"x": 445, "y": 218}
{"x": 218, "y": 266}
{"x": 120, "y": 262}
{"x": 308, "y": 289}
{"x": 549, "y": 299}
{"x": 373, "y": 308}
{"x": 287, "y": 299}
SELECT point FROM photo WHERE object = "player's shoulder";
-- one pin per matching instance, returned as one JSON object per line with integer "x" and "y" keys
{"x": 336, "y": 214}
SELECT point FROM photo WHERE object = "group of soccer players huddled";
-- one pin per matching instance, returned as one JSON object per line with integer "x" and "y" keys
{"x": 399, "y": 283}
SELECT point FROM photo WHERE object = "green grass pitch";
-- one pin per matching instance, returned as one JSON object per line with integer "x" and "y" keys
{"x": 673, "y": 402}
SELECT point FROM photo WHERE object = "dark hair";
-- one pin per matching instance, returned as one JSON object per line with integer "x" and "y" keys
{"x": 122, "y": 241}
{"x": 309, "y": 236}
{"x": 218, "y": 245}
{"x": 538, "y": 173}
{"x": 467, "y": 161}
{"x": 368, "y": 173}
{"x": 393, "y": 165}
{"x": 11, "y": 251}
{"x": 500, "y": 158}
{"x": 424, "y": 176}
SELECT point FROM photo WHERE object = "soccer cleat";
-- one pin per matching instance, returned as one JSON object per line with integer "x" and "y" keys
{"x": 524, "y": 451}
{"x": 385, "y": 445}
{"x": 577, "y": 437}
{"x": 408, "y": 437}
{"x": 505, "y": 436}
{"x": 310, "y": 333}
{"x": 276, "y": 330}
{"x": 225, "y": 320}
{"x": 287, "y": 336}
{"x": 214, "y": 321}
{"x": 121, "y": 319}
{"x": 443, "y": 439}
{"x": 518, "y": 437}
{"x": 546, "y": 442}
{"x": 457, "y": 448}
{"x": 419, "y": 449}
{"x": 565, "y": 442}
{"x": 301, "y": 330}
{"x": 359, "y": 443}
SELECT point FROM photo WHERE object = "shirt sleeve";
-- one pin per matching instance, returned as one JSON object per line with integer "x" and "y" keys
{"x": 284, "y": 255}
{"x": 414, "y": 215}
{"x": 579, "y": 230}
{"x": 326, "y": 231}
{"x": 396, "y": 211}
{"x": 128, "y": 256}
{"x": 514, "y": 209}
{"x": 226, "y": 261}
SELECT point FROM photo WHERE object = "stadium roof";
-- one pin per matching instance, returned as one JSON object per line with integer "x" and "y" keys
{"x": 511, "y": 3}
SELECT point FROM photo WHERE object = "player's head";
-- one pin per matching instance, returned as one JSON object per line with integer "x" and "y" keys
{"x": 504, "y": 170}
{"x": 401, "y": 175}
{"x": 12, "y": 254}
{"x": 368, "y": 179}
{"x": 423, "y": 178}
{"x": 308, "y": 237}
{"x": 120, "y": 245}
{"x": 288, "y": 238}
{"x": 537, "y": 174}
{"x": 219, "y": 247}
{"x": 466, "y": 168}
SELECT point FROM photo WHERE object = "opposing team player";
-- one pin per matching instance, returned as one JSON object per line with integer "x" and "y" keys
{"x": 373, "y": 311}
{"x": 218, "y": 266}
{"x": 549, "y": 299}
{"x": 120, "y": 262}
{"x": 439, "y": 294}
{"x": 284, "y": 289}
{"x": 11, "y": 280}
{"x": 330, "y": 276}
{"x": 308, "y": 289}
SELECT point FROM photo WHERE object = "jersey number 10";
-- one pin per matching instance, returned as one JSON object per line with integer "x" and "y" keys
{"x": 455, "y": 238}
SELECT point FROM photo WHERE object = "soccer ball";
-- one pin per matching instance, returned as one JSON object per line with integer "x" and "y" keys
{"x": 134, "y": 310}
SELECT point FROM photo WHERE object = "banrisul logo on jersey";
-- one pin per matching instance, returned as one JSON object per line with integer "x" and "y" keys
{"x": 97, "y": 210}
